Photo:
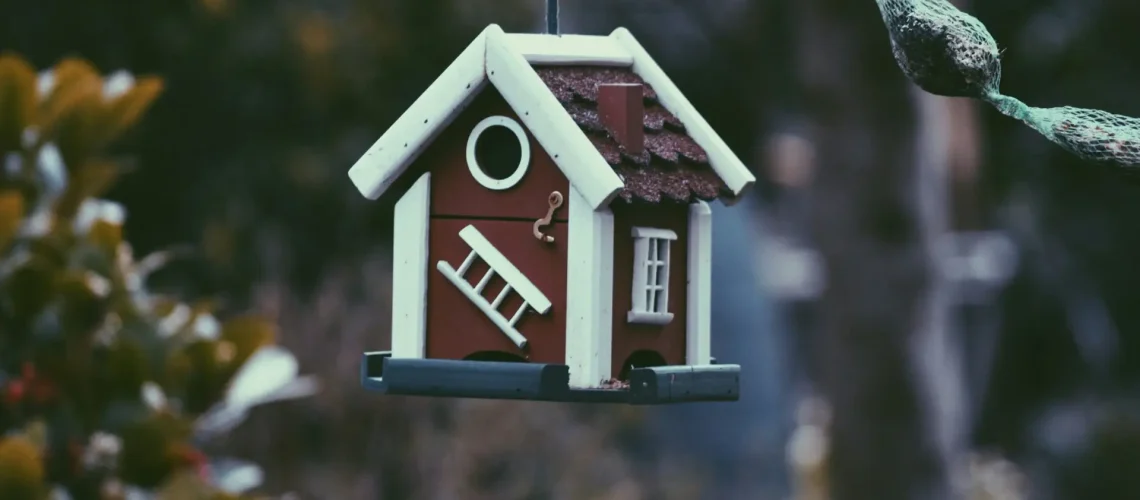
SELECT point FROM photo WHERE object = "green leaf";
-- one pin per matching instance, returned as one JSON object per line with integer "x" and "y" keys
{"x": 21, "y": 469}
{"x": 186, "y": 486}
{"x": 17, "y": 100}
{"x": 29, "y": 289}
{"x": 247, "y": 334}
{"x": 11, "y": 216}
{"x": 125, "y": 111}
{"x": 75, "y": 81}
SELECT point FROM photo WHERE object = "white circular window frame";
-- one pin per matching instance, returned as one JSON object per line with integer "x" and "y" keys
{"x": 524, "y": 153}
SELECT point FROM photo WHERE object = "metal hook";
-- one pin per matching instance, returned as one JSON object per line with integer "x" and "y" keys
{"x": 554, "y": 201}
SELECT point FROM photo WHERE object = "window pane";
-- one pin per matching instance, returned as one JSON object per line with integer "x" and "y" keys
{"x": 650, "y": 298}
{"x": 652, "y": 249}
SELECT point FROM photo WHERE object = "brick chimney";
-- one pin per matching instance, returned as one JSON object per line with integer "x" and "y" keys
{"x": 622, "y": 110}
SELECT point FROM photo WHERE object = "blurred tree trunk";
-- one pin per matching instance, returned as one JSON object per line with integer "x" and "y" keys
{"x": 944, "y": 150}
{"x": 865, "y": 224}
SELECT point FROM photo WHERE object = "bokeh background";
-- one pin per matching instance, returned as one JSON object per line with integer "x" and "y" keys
{"x": 928, "y": 299}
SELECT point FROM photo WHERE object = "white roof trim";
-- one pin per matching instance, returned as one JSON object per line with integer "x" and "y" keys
{"x": 551, "y": 125}
{"x": 723, "y": 161}
{"x": 514, "y": 78}
{"x": 505, "y": 60}
{"x": 570, "y": 49}
{"x": 443, "y": 100}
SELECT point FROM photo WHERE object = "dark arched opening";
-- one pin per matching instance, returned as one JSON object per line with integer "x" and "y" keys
{"x": 495, "y": 356}
{"x": 640, "y": 359}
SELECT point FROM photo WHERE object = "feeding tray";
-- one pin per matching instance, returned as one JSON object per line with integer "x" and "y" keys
{"x": 544, "y": 382}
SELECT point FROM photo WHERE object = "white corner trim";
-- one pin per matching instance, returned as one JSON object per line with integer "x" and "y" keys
{"x": 698, "y": 335}
{"x": 409, "y": 271}
{"x": 723, "y": 161}
{"x": 443, "y": 100}
{"x": 524, "y": 153}
{"x": 589, "y": 292}
{"x": 501, "y": 265}
{"x": 570, "y": 49}
{"x": 551, "y": 125}
{"x": 652, "y": 232}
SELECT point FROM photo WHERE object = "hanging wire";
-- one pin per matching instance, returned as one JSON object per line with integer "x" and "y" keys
{"x": 552, "y": 17}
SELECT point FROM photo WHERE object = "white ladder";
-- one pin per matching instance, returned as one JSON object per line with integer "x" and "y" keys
{"x": 515, "y": 280}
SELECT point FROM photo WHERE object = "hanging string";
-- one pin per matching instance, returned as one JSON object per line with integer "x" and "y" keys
{"x": 552, "y": 17}
{"x": 950, "y": 53}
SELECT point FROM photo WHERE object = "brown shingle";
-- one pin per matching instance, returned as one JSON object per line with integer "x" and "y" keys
{"x": 673, "y": 168}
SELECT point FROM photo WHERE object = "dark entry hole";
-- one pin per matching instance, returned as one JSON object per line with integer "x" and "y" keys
{"x": 495, "y": 356}
{"x": 640, "y": 359}
{"x": 498, "y": 152}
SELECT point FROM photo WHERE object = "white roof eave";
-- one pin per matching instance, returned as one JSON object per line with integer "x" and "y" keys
{"x": 505, "y": 60}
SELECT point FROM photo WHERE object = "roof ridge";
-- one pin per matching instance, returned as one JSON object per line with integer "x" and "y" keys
{"x": 549, "y": 122}
{"x": 507, "y": 61}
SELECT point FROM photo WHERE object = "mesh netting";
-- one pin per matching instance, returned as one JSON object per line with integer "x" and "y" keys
{"x": 948, "y": 52}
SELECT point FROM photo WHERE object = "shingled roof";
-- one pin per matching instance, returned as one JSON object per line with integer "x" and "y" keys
{"x": 552, "y": 80}
{"x": 673, "y": 166}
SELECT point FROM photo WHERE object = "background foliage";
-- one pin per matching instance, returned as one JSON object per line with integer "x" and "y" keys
{"x": 107, "y": 387}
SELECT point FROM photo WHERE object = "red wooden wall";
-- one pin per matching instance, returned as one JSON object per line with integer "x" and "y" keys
{"x": 667, "y": 340}
{"x": 456, "y": 328}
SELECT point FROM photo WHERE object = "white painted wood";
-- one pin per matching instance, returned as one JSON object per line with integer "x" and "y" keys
{"x": 661, "y": 305}
{"x": 409, "y": 271}
{"x": 640, "y": 278}
{"x": 518, "y": 314}
{"x": 515, "y": 280}
{"x": 467, "y": 262}
{"x": 652, "y": 232}
{"x": 589, "y": 292}
{"x": 508, "y": 328}
{"x": 551, "y": 125}
{"x": 511, "y": 274}
{"x": 570, "y": 49}
{"x": 723, "y": 161}
{"x": 603, "y": 223}
{"x": 649, "y": 318}
{"x": 524, "y": 153}
{"x": 486, "y": 279}
{"x": 391, "y": 155}
{"x": 698, "y": 335}
{"x": 502, "y": 296}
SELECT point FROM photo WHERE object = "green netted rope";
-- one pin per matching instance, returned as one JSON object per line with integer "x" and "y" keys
{"x": 950, "y": 53}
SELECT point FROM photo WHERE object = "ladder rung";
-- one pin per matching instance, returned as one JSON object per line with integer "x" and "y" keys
{"x": 467, "y": 263}
{"x": 502, "y": 295}
{"x": 495, "y": 316}
{"x": 519, "y": 313}
{"x": 503, "y": 267}
{"x": 483, "y": 282}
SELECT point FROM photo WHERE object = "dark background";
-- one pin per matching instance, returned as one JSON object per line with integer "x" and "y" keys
{"x": 269, "y": 102}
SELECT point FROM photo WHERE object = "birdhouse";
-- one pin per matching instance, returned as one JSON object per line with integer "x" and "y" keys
{"x": 552, "y": 229}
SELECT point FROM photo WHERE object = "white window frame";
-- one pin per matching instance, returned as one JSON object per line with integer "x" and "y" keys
{"x": 651, "y": 298}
